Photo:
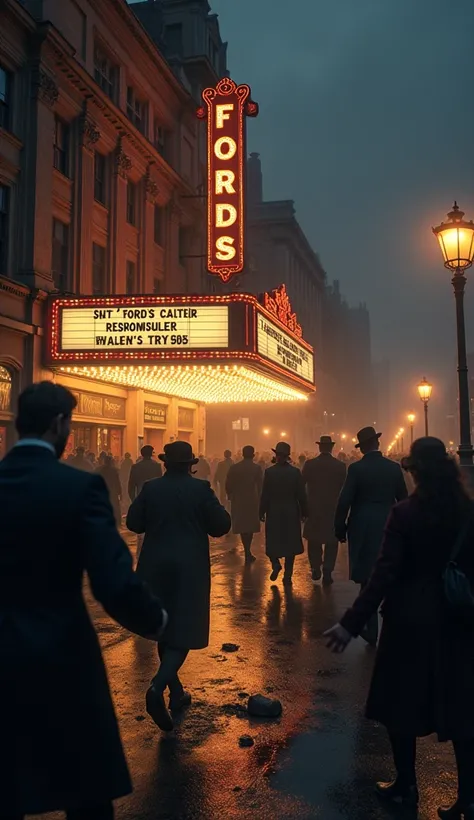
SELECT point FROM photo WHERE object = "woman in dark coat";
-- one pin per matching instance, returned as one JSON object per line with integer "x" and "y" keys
{"x": 177, "y": 515}
{"x": 283, "y": 506}
{"x": 423, "y": 680}
{"x": 110, "y": 474}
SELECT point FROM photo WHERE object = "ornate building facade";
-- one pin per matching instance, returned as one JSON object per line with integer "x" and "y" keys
{"x": 99, "y": 166}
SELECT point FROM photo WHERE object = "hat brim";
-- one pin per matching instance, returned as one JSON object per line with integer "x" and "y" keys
{"x": 326, "y": 442}
{"x": 372, "y": 438}
{"x": 281, "y": 452}
{"x": 163, "y": 457}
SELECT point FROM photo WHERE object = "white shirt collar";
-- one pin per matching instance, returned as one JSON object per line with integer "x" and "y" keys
{"x": 35, "y": 442}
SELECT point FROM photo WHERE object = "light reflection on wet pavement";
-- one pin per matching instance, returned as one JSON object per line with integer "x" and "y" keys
{"x": 319, "y": 760}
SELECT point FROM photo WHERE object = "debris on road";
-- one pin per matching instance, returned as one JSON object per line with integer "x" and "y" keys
{"x": 246, "y": 741}
{"x": 230, "y": 647}
{"x": 260, "y": 706}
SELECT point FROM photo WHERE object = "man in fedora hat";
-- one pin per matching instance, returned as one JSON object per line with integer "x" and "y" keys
{"x": 244, "y": 488}
{"x": 177, "y": 514}
{"x": 324, "y": 478}
{"x": 283, "y": 506}
{"x": 372, "y": 487}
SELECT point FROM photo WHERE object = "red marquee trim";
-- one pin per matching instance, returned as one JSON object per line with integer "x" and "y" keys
{"x": 277, "y": 302}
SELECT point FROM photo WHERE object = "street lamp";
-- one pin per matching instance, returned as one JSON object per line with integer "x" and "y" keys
{"x": 424, "y": 392}
{"x": 411, "y": 420}
{"x": 283, "y": 435}
{"x": 456, "y": 240}
{"x": 402, "y": 430}
{"x": 266, "y": 431}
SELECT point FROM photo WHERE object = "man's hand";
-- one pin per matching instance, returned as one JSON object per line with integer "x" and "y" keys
{"x": 262, "y": 519}
{"x": 157, "y": 635}
{"x": 338, "y": 638}
{"x": 341, "y": 537}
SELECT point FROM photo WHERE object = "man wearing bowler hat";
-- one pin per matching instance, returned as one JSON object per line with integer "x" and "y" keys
{"x": 283, "y": 506}
{"x": 324, "y": 478}
{"x": 372, "y": 487}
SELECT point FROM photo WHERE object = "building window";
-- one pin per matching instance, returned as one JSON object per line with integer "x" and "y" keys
{"x": 4, "y": 213}
{"x": 61, "y": 146}
{"x": 106, "y": 74}
{"x": 136, "y": 110}
{"x": 60, "y": 255}
{"x": 5, "y": 98}
{"x": 100, "y": 170}
{"x": 159, "y": 225}
{"x": 131, "y": 278}
{"x": 131, "y": 203}
{"x": 98, "y": 269}
{"x": 161, "y": 139}
{"x": 156, "y": 285}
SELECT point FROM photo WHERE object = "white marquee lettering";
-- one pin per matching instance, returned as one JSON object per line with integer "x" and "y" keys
{"x": 225, "y": 251}
{"x": 226, "y": 215}
{"x": 225, "y": 182}
{"x": 231, "y": 148}
{"x": 223, "y": 114}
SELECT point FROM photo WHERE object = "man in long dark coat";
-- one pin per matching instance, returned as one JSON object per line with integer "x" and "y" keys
{"x": 143, "y": 471}
{"x": 220, "y": 477}
{"x": 244, "y": 488}
{"x": 372, "y": 487}
{"x": 177, "y": 515}
{"x": 60, "y": 747}
{"x": 324, "y": 478}
{"x": 283, "y": 506}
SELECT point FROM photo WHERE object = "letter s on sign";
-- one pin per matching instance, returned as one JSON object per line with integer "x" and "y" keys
{"x": 225, "y": 251}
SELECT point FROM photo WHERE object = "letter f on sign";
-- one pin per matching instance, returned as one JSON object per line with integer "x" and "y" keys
{"x": 222, "y": 114}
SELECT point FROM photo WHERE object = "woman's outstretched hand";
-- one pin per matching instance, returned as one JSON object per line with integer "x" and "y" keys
{"x": 338, "y": 638}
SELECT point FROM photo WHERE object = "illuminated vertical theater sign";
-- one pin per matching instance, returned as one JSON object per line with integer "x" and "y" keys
{"x": 226, "y": 108}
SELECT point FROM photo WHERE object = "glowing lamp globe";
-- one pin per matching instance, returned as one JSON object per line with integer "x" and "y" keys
{"x": 456, "y": 240}
{"x": 424, "y": 390}
{"x": 411, "y": 418}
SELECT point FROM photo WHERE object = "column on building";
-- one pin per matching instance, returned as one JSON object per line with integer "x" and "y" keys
{"x": 118, "y": 218}
{"x": 81, "y": 225}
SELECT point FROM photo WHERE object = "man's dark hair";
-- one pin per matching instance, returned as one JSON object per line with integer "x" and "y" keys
{"x": 248, "y": 451}
{"x": 39, "y": 404}
{"x": 227, "y": 454}
{"x": 147, "y": 451}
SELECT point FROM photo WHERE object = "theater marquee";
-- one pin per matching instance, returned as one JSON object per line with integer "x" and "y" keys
{"x": 226, "y": 107}
{"x": 216, "y": 348}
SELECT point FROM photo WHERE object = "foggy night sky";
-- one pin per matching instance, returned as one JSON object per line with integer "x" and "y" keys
{"x": 367, "y": 122}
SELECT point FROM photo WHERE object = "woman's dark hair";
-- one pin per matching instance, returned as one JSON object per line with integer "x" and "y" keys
{"x": 40, "y": 404}
{"x": 438, "y": 479}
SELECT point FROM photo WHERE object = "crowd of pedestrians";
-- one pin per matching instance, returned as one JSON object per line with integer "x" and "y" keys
{"x": 411, "y": 554}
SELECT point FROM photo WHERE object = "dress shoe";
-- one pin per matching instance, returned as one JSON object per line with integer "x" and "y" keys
{"x": 156, "y": 708}
{"x": 315, "y": 575}
{"x": 327, "y": 579}
{"x": 275, "y": 573}
{"x": 457, "y": 812}
{"x": 179, "y": 702}
{"x": 399, "y": 793}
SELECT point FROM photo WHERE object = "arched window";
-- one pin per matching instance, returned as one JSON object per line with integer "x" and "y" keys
{"x": 5, "y": 390}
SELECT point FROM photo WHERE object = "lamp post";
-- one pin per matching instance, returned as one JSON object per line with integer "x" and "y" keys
{"x": 401, "y": 431}
{"x": 424, "y": 392}
{"x": 456, "y": 240}
{"x": 411, "y": 420}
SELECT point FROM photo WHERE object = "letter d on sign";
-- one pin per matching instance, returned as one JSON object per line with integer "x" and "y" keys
{"x": 226, "y": 215}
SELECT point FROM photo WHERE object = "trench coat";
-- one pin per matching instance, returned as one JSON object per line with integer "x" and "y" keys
{"x": 141, "y": 472}
{"x": 177, "y": 515}
{"x": 244, "y": 488}
{"x": 220, "y": 479}
{"x": 60, "y": 746}
{"x": 111, "y": 477}
{"x": 423, "y": 677}
{"x": 372, "y": 487}
{"x": 283, "y": 504}
{"x": 324, "y": 478}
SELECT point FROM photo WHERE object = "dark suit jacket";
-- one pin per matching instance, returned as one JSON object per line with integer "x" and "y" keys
{"x": 283, "y": 503}
{"x": 372, "y": 487}
{"x": 142, "y": 472}
{"x": 177, "y": 515}
{"x": 59, "y": 741}
{"x": 324, "y": 477}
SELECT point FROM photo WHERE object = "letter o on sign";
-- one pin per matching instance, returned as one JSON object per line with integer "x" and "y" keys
{"x": 229, "y": 152}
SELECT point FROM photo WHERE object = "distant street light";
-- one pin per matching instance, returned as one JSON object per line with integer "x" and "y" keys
{"x": 424, "y": 392}
{"x": 411, "y": 420}
{"x": 283, "y": 435}
{"x": 456, "y": 240}
{"x": 266, "y": 431}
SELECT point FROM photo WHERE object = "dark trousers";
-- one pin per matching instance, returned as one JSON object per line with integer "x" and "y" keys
{"x": 103, "y": 812}
{"x": 371, "y": 630}
{"x": 404, "y": 757}
{"x": 171, "y": 661}
{"x": 247, "y": 538}
{"x": 315, "y": 555}
{"x": 289, "y": 565}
